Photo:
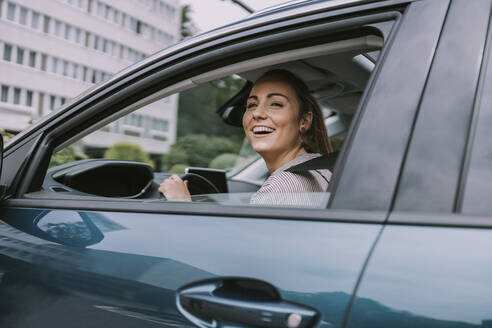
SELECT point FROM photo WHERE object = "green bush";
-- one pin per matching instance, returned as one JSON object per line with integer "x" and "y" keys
{"x": 178, "y": 168}
{"x": 6, "y": 136}
{"x": 128, "y": 151}
{"x": 224, "y": 161}
{"x": 67, "y": 155}
{"x": 199, "y": 150}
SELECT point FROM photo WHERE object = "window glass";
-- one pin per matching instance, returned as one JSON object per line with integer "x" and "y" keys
{"x": 35, "y": 20}
{"x": 7, "y": 52}
{"x": 17, "y": 94}
{"x": 5, "y": 93}
{"x": 32, "y": 58}
{"x": 11, "y": 11}
{"x": 75, "y": 70}
{"x": 58, "y": 28}
{"x": 46, "y": 24}
{"x": 20, "y": 55}
{"x": 52, "y": 102}
{"x": 23, "y": 16}
{"x": 201, "y": 128}
{"x": 54, "y": 65}
{"x": 77, "y": 35}
{"x": 29, "y": 98}
{"x": 65, "y": 68}
{"x": 68, "y": 30}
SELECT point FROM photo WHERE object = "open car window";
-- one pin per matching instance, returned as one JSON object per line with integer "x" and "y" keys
{"x": 196, "y": 131}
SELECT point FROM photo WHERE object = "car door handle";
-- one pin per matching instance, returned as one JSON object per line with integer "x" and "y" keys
{"x": 238, "y": 301}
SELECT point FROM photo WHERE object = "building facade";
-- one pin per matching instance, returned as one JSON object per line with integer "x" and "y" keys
{"x": 52, "y": 50}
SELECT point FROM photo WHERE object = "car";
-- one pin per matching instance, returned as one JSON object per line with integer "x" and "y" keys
{"x": 400, "y": 239}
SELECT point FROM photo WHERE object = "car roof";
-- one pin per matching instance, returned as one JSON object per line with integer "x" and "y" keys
{"x": 292, "y": 4}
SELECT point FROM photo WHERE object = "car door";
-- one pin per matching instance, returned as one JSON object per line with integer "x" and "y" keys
{"x": 431, "y": 266}
{"x": 131, "y": 263}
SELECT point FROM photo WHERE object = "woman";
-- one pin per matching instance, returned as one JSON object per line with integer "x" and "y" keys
{"x": 285, "y": 125}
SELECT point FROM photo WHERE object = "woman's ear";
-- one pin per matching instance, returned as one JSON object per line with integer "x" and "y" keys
{"x": 306, "y": 122}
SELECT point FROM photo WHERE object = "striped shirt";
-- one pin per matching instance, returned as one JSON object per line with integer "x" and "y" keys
{"x": 295, "y": 189}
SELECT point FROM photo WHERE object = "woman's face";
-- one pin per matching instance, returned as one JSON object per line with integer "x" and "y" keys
{"x": 271, "y": 120}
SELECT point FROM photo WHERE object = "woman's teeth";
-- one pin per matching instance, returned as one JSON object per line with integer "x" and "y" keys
{"x": 262, "y": 130}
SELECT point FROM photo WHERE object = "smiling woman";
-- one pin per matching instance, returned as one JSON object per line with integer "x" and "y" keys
{"x": 285, "y": 125}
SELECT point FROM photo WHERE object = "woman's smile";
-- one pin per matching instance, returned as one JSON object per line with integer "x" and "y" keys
{"x": 262, "y": 130}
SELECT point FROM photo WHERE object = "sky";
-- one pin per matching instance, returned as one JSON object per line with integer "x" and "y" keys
{"x": 209, "y": 14}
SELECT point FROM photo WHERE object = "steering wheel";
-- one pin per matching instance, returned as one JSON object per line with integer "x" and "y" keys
{"x": 198, "y": 185}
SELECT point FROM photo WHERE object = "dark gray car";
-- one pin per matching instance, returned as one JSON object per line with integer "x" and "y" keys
{"x": 402, "y": 238}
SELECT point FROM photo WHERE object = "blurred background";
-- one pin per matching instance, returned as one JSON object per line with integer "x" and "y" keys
{"x": 53, "y": 50}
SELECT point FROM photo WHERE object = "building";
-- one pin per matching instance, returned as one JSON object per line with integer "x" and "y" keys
{"x": 52, "y": 50}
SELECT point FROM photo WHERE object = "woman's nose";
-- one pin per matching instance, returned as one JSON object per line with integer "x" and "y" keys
{"x": 259, "y": 112}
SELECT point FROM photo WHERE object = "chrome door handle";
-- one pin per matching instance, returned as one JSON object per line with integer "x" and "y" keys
{"x": 234, "y": 302}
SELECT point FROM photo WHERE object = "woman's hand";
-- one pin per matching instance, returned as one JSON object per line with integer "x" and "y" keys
{"x": 175, "y": 189}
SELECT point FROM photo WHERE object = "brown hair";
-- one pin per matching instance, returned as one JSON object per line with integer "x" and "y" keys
{"x": 315, "y": 139}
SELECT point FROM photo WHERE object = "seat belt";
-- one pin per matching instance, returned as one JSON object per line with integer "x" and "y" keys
{"x": 322, "y": 162}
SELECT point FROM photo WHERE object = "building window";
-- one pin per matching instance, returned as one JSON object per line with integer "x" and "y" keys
{"x": 52, "y": 102}
{"x": 58, "y": 27}
{"x": 44, "y": 59}
{"x": 109, "y": 12}
{"x": 32, "y": 58}
{"x": 28, "y": 98}
{"x": 17, "y": 93}
{"x": 133, "y": 120}
{"x": 160, "y": 125}
{"x": 5, "y": 93}
{"x": 35, "y": 20}
{"x": 46, "y": 27}
{"x": 96, "y": 41}
{"x": 63, "y": 100}
{"x": 23, "y": 16}
{"x": 85, "y": 74}
{"x": 75, "y": 70}
{"x": 54, "y": 65}
{"x": 68, "y": 29}
{"x": 20, "y": 55}
{"x": 77, "y": 35}
{"x": 81, "y": 4}
{"x": 65, "y": 68}
{"x": 7, "y": 52}
{"x": 116, "y": 15}
{"x": 100, "y": 9}
{"x": 11, "y": 11}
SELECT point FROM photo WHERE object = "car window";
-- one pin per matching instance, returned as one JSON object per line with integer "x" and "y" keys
{"x": 198, "y": 132}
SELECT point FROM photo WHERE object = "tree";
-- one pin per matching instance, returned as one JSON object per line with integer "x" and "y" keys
{"x": 128, "y": 151}
{"x": 223, "y": 161}
{"x": 188, "y": 28}
{"x": 6, "y": 135}
{"x": 198, "y": 108}
{"x": 67, "y": 155}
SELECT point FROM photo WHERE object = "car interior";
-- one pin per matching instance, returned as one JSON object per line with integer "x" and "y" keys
{"x": 336, "y": 73}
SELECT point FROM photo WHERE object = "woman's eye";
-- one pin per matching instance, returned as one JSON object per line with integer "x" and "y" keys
{"x": 277, "y": 104}
{"x": 250, "y": 105}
